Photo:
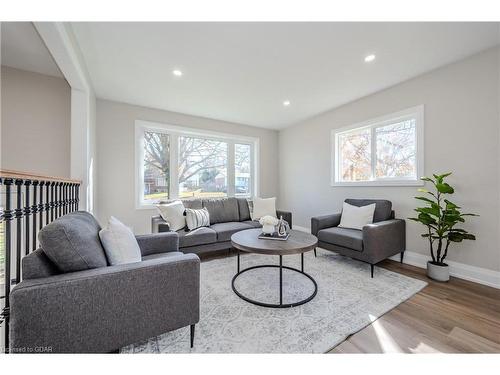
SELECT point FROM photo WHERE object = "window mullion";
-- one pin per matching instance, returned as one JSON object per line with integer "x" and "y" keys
{"x": 174, "y": 166}
{"x": 231, "y": 179}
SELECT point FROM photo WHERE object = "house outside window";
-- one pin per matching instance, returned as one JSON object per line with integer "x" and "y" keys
{"x": 181, "y": 163}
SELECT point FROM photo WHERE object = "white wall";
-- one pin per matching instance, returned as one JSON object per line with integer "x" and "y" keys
{"x": 36, "y": 123}
{"x": 461, "y": 135}
{"x": 116, "y": 150}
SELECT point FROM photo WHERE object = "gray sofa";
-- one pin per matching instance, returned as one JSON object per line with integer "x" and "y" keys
{"x": 71, "y": 301}
{"x": 227, "y": 216}
{"x": 382, "y": 239}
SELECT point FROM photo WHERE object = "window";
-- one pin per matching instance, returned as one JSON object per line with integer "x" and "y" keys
{"x": 175, "y": 162}
{"x": 242, "y": 169}
{"x": 202, "y": 167}
{"x": 384, "y": 151}
{"x": 156, "y": 159}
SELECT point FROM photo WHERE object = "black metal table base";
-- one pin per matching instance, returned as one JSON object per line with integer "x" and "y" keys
{"x": 281, "y": 267}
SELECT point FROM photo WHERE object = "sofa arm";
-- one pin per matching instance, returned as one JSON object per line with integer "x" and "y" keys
{"x": 325, "y": 221}
{"x": 158, "y": 225}
{"x": 384, "y": 239}
{"x": 104, "y": 309}
{"x": 287, "y": 216}
{"x": 158, "y": 243}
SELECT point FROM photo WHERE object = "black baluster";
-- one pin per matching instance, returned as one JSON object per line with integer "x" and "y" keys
{"x": 27, "y": 214}
{"x": 59, "y": 201}
{"x": 64, "y": 198}
{"x": 7, "y": 217}
{"x": 52, "y": 204}
{"x": 19, "y": 215}
{"x": 77, "y": 204}
{"x": 34, "y": 210}
{"x": 47, "y": 202}
{"x": 41, "y": 206}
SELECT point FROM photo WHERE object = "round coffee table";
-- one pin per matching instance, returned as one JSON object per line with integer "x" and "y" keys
{"x": 297, "y": 243}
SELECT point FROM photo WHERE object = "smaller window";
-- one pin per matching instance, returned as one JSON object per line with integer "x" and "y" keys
{"x": 156, "y": 167}
{"x": 242, "y": 169}
{"x": 383, "y": 151}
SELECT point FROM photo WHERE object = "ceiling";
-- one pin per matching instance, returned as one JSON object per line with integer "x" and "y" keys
{"x": 243, "y": 72}
{"x": 22, "y": 48}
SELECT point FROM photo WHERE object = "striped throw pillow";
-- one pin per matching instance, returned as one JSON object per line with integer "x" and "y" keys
{"x": 197, "y": 218}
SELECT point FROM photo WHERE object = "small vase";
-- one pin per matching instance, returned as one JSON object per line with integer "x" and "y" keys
{"x": 438, "y": 272}
{"x": 268, "y": 229}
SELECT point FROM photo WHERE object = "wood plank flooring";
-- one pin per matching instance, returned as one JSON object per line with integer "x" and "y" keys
{"x": 455, "y": 317}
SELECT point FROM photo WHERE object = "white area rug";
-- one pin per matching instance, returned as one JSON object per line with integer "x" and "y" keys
{"x": 347, "y": 301}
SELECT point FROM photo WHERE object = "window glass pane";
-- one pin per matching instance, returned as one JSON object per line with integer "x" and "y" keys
{"x": 396, "y": 150}
{"x": 354, "y": 155}
{"x": 156, "y": 167}
{"x": 242, "y": 165}
{"x": 202, "y": 168}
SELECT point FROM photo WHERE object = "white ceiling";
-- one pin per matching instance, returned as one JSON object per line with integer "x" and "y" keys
{"x": 242, "y": 72}
{"x": 22, "y": 48}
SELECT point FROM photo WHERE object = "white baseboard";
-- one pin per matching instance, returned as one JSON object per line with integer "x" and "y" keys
{"x": 462, "y": 271}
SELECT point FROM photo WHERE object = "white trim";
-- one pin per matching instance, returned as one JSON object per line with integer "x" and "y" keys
{"x": 417, "y": 113}
{"x": 462, "y": 271}
{"x": 174, "y": 131}
{"x": 475, "y": 274}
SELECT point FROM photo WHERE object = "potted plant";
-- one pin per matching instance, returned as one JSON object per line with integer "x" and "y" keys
{"x": 440, "y": 216}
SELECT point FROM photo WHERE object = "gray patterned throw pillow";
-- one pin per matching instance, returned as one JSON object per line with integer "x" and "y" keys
{"x": 197, "y": 218}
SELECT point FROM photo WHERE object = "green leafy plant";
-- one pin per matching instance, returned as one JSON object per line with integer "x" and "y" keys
{"x": 441, "y": 217}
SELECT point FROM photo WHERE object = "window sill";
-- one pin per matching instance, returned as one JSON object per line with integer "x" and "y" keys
{"x": 399, "y": 183}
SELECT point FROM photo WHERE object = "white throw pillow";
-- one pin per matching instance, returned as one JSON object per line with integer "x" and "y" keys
{"x": 120, "y": 244}
{"x": 173, "y": 214}
{"x": 356, "y": 217}
{"x": 263, "y": 207}
{"x": 197, "y": 218}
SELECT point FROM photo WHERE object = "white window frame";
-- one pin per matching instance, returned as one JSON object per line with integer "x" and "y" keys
{"x": 174, "y": 133}
{"x": 416, "y": 113}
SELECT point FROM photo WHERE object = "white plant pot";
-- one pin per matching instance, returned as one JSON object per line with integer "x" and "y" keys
{"x": 438, "y": 272}
{"x": 268, "y": 229}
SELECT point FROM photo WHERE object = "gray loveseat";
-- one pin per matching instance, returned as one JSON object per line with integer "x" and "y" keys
{"x": 227, "y": 216}
{"x": 382, "y": 239}
{"x": 71, "y": 301}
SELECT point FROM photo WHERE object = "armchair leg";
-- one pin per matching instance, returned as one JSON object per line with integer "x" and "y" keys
{"x": 192, "y": 335}
{"x": 315, "y": 255}
{"x": 402, "y": 255}
{"x": 372, "y": 266}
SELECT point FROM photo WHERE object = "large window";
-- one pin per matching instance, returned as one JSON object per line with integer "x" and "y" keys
{"x": 175, "y": 162}
{"x": 384, "y": 151}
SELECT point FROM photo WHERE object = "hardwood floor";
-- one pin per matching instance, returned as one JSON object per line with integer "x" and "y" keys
{"x": 454, "y": 317}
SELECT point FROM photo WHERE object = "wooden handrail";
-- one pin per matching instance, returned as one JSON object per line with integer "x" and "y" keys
{"x": 5, "y": 173}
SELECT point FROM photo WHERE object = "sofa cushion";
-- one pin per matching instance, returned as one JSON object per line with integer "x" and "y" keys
{"x": 226, "y": 230}
{"x": 350, "y": 238}
{"x": 253, "y": 223}
{"x": 383, "y": 208}
{"x": 244, "y": 209}
{"x": 195, "y": 204}
{"x": 37, "y": 264}
{"x": 200, "y": 236}
{"x": 222, "y": 210}
{"x": 168, "y": 254}
{"x": 72, "y": 242}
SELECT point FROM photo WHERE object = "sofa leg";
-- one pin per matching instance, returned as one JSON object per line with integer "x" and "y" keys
{"x": 372, "y": 266}
{"x": 402, "y": 255}
{"x": 315, "y": 252}
{"x": 192, "y": 335}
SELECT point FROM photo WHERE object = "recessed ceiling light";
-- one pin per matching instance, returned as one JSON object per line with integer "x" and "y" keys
{"x": 177, "y": 73}
{"x": 286, "y": 103}
{"x": 369, "y": 58}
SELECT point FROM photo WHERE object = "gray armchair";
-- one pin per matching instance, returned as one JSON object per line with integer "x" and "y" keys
{"x": 105, "y": 308}
{"x": 382, "y": 239}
